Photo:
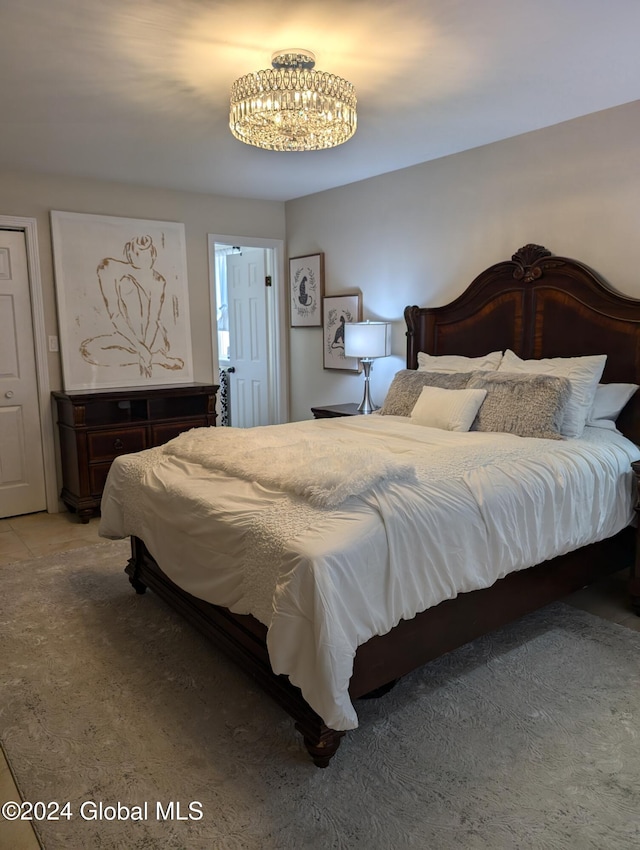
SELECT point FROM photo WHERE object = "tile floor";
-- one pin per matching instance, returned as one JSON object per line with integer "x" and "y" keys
{"x": 25, "y": 537}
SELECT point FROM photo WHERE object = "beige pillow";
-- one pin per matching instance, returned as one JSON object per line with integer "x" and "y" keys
{"x": 583, "y": 374}
{"x": 450, "y": 410}
{"x": 407, "y": 385}
{"x": 458, "y": 363}
{"x": 522, "y": 404}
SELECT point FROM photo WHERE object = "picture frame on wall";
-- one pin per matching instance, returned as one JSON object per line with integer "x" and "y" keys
{"x": 122, "y": 298}
{"x": 306, "y": 286}
{"x": 339, "y": 310}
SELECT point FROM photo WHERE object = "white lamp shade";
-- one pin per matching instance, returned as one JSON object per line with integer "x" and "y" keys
{"x": 367, "y": 339}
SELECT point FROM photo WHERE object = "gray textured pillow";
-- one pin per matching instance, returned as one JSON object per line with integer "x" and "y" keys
{"x": 407, "y": 385}
{"x": 528, "y": 405}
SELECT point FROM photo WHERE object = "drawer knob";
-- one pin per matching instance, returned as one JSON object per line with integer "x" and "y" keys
{"x": 9, "y": 394}
{"x": 118, "y": 444}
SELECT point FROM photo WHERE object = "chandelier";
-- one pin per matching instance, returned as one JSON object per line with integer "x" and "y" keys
{"x": 291, "y": 107}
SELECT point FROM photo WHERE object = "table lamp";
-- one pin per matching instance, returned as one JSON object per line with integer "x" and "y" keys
{"x": 367, "y": 341}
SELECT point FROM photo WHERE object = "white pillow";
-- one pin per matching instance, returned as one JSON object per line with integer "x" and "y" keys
{"x": 450, "y": 410}
{"x": 608, "y": 404}
{"x": 583, "y": 374}
{"x": 458, "y": 363}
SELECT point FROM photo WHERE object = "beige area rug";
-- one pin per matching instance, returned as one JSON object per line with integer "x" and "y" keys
{"x": 527, "y": 739}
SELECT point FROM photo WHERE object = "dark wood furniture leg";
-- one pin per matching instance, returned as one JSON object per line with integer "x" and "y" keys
{"x": 408, "y": 646}
{"x": 243, "y": 639}
{"x": 634, "y": 580}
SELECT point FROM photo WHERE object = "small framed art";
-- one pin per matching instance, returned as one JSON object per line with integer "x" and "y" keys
{"x": 306, "y": 284}
{"x": 338, "y": 310}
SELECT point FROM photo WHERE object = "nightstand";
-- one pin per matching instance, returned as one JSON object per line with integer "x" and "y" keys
{"x": 330, "y": 411}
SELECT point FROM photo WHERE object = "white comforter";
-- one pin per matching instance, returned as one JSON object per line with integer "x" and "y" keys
{"x": 452, "y": 513}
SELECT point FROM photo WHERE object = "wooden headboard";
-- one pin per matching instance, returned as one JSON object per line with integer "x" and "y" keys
{"x": 537, "y": 305}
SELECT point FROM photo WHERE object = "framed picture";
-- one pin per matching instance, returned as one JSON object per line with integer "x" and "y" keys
{"x": 123, "y": 306}
{"x": 338, "y": 310}
{"x": 306, "y": 283}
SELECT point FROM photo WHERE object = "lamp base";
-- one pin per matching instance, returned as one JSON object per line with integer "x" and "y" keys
{"x": 367, "y": 405}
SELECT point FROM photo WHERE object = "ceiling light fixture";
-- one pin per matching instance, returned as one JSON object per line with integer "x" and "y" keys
{"x": 291, "y": 107}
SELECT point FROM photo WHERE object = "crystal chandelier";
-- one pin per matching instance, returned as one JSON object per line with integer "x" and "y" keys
{"x": 291, "y": 107}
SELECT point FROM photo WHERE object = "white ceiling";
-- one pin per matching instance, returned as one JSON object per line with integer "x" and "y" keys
{"x": 137, "y": 90}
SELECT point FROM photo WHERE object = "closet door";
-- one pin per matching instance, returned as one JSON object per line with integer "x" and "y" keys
{"x": 22, "y": 486}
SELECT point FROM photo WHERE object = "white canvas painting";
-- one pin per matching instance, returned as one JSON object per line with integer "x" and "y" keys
{"x": 123, "y": 309}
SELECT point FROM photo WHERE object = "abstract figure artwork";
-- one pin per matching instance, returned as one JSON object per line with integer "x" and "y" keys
{"x": 122, "y": 301}
{"x": 306, "y": 278}
{"x": 134, "y": 294}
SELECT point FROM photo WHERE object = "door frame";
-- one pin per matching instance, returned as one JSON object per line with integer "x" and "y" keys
{"x": 30, "y": 229}
{"x": 276, "y": 318}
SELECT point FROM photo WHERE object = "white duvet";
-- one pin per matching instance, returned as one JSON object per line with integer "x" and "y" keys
{"x": 453, "y": 512}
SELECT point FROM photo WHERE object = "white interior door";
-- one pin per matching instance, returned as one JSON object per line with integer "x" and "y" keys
{"x": 22, "y": 482}
{"x": 248, "y": 342}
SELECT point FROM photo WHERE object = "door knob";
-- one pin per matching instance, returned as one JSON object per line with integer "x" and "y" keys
{"x": 231, "y": 369}
{"x": 9, "y": 394}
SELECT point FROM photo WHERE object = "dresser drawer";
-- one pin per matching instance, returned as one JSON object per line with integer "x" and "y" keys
{"x": 97, "y": 476}
{"x": 163, "y": 433}
{"x": 105, "y": 445}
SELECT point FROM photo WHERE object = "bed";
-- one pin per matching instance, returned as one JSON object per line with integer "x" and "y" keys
{"x": 535, "y": 305}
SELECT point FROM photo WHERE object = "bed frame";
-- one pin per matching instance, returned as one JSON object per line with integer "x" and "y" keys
{"x": 539, "y": 306}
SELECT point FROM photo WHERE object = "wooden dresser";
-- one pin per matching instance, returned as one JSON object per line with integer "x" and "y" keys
{"x": 98, "y": 425}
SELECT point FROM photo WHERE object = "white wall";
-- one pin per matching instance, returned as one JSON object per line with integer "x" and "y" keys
{"x": 420, "y": 235}
{"x": 34, "y": 195}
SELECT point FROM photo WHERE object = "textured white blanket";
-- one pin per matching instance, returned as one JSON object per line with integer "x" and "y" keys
{"x": 325, "y": 580}
{"x": 324, "y": 469}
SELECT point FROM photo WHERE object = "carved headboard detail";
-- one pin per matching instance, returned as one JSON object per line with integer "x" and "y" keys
{"x": 538, "y": 305}
{"x": 526, "y": 259}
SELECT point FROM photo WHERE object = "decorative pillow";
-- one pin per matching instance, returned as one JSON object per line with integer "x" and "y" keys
{"x": 608, "y": 404}
{"x": 407, "y": 385}
{"x": 583, "y": 374}
{"x": 458, "y": 363}
{"x": 451, "y": 410}
{"x": 521, "y": 404}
